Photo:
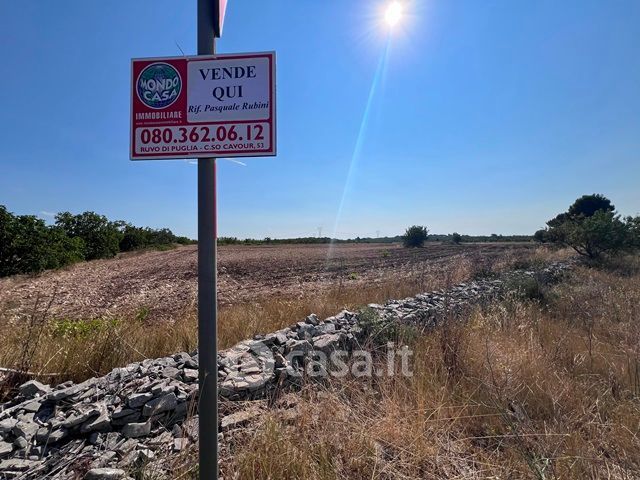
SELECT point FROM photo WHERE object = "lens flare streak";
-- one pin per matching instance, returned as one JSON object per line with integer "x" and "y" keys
{"x": 377, "y": 79}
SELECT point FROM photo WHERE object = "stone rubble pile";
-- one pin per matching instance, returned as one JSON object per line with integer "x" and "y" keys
{"x": 104, "y": 427}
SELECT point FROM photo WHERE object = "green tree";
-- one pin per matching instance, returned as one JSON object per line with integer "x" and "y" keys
{"x": 633, "y": 231}
{"x": 415, "y": 236}
{"x": 588, "y": 205}
{"x": 163, "y": 236}
{"x": 28, "y": 245}
{"x": 541, "y": 236}
{"x": 64, "y": 249}
{"x": 594, "y": 235}
{"x": 133, "y": 238}
{"x": 7, "y": 233}
{"x": 7, "y": 227}
{"x": 100, "y": 236}
{"x": 590, "y": 226}
{"x": 456, "y": 238}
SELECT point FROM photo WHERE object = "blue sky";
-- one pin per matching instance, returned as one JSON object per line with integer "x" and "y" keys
{"x": 489, "y": 116}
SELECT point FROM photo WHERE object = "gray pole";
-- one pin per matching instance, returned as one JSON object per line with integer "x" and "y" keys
{"x": 207, "y": 279}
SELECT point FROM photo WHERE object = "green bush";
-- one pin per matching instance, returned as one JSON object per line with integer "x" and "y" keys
{"x": 415, "y": 236}
{"x": 75, "y": 328}
{"x": 375, "y": 329}
{"x": 525, "y": 288}
{"x": 228, "y": 241}
{"x": 185, "y": 241}
{"x": 379, "y": 332}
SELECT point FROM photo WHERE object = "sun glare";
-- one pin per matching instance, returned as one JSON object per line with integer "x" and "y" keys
{"x": 393, "y": 14}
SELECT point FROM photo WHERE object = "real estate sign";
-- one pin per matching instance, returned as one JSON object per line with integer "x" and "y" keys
{"x": 204, "y": 106}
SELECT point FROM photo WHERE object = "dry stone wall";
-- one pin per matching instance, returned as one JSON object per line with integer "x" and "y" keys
{"x": 104, "y": 427}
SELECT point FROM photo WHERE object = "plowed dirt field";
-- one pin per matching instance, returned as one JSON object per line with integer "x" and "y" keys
{"x": 164, "y": 284}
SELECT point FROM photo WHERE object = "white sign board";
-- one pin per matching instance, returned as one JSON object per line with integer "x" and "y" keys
{"x": 205, "y": 106}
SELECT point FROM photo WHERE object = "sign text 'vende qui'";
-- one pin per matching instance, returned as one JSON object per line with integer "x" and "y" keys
{"x": 222, "y": 106}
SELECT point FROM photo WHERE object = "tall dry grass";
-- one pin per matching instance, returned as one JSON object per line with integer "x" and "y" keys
{"x": 524, "y": 389}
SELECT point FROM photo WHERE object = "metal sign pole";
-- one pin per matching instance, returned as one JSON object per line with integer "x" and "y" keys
{"x": 207, "y": 278}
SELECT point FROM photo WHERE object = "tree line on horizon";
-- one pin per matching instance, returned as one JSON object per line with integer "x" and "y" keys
{"x": 451, "y": 238}
{"x": 29, "y": 245}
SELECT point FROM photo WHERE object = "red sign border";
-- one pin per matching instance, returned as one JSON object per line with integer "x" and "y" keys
{"x": 268, "y": 152}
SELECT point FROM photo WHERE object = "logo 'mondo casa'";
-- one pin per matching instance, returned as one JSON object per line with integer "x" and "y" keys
{"x": 159, "y": 85}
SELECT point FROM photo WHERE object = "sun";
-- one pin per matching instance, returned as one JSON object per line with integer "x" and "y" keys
{"x": 393, "y": 14}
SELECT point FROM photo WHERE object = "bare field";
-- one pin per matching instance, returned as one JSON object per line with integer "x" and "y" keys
{"x": 164, "y": 284}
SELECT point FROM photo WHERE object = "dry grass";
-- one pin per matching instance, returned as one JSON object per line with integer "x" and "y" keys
{"x": 545, "y": 389}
